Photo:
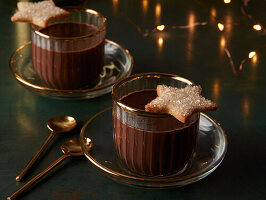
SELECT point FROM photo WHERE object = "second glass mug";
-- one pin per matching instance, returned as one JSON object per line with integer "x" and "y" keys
{"x": 69, "y": 52}
{"x": 151, "y": 144}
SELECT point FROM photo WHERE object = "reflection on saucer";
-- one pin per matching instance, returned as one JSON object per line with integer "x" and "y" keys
{"x": 118, "y": 64}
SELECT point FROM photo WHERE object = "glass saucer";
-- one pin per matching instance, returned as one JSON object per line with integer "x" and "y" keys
{"x": 118, "y": 64}
{"x": 211, "y": 149}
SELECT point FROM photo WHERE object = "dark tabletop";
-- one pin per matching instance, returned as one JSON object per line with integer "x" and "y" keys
{"x": 192, "y": 46}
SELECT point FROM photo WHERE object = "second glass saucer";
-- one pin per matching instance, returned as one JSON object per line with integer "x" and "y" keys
{"x": 118, "y": 64}
{"x": 211, "y": 149}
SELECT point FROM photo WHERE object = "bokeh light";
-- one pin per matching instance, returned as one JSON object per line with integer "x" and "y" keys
{"x": 257, "y": 27}
{"x": 220, "y": 26}
{"x": 160, "y": 27}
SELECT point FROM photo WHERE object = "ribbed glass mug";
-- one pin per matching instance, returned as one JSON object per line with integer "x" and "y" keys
{"x": 69, "y": 52}
{"x": 151, "y": 144}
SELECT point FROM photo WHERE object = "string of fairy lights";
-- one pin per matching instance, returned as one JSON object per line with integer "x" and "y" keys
{"x": 252, "y": 55}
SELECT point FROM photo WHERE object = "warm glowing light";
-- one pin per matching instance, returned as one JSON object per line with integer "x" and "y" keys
{"x": 213, "y": 12}
{"x": 158, "y": 10}
{"x": 160, "y": 41}
{"x": 254, "y": 59}
{"x": 191, "y": 20}
{"x": 145, "y": 4}
{"x": 220, "y": 26}
{"x": 115, "y": 5}
{"x": 160, "y": 27}
{"x": 216, "y": 89}
{"x": 228, "y": 22}
{"x": 191, "y": 24}
{"x": 227, "y": 1}
{"x": 160, "y": 44}
{"x": 222, "y": 43}
{"x": 213, "y": 15}
{"x": 251, "y": 54}
{"x": 257, "y": 27}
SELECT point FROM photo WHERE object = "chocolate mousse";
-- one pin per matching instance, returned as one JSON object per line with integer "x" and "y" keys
{"x": 155, "y": 146}
{"x": 68, "y": 65}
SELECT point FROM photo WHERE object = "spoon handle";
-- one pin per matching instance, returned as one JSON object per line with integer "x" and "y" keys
{"x": 35, "y": 157}
{"x": 37, "y": 177}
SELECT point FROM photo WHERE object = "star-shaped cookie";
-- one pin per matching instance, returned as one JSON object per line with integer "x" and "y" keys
{"x": 38, "y": 13}
{"x": 180, "y": 102}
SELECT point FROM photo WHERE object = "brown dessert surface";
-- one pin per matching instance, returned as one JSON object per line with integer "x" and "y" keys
{"x": 139, "y": 99}
{"x": 152, "y": 146}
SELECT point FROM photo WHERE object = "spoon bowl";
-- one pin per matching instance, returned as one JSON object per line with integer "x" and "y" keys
{"x": 73, "y": 147}
{"x": 57, "y": 124}
{"x": 60, "y": 124}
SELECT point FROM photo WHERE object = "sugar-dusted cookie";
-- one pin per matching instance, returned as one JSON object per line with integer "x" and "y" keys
{"x": 180, "y": 102}
{"x": 38, "y": 13}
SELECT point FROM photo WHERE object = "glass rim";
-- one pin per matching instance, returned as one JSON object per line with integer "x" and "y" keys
{"x": 140, "y": 112}
{"x": 85, "y": 10}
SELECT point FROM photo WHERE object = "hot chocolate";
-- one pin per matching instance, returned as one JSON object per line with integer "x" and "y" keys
{"x": 161, "y": 146}
{"x": 73, "y": 61}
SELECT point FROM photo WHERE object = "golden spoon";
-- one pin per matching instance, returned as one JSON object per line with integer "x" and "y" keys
{"x": 58, "y": 124}
{"x": 69, "y": 148}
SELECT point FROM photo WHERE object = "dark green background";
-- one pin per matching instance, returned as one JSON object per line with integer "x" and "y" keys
{"x": 195, "y": 53}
